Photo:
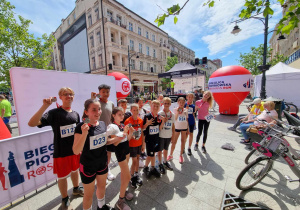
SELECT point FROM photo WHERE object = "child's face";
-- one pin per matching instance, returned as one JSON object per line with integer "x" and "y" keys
{"x": 140, "y": 103}
{"x": 123, "y": 105}
{"x": 181, "y": 103}
{"x": 67, "y": 97}
{"x": 167, "y": 104}
{"x": 94, "y": 111}
{"x": 135, "y": 111}
{"x": 104, "y": 93}
{"x": 119, "y": 116}
{"x": 155, "y": 107}
{"x": 190, "y": 98}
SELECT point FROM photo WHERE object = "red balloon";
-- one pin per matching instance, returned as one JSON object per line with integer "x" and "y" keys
{"x": 230, "y": 85}
{"x": 123, "y": 85}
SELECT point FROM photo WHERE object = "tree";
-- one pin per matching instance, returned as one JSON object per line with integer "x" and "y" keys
{"x": 171, "y": 61}
{"x": 287, "y": 23}
{"x": 254, "y": 58}
{"x": 18, "y": 47}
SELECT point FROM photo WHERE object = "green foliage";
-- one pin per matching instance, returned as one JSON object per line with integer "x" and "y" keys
{"x": 254, "y": 58}
{"x": 171, "y": 61}
{"x": 18, "y": 47}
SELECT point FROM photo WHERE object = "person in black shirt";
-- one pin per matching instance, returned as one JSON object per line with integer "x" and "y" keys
{"x": 91, "y": 139}
{"x": 123, "y": 104}
{"x": 63, "y": 121}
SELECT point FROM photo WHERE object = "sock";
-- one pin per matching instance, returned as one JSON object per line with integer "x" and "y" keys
{"x": 101, "y": 202}
{"x": 75, "y": 188}
{"x": 152, "y": 167}
{"x": 121, "y": 198}
{"x": 136, "y": 173}
{"x": 66, "y": 198}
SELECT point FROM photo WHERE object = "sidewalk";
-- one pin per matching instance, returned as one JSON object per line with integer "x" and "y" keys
{"x": 198, "y": 183}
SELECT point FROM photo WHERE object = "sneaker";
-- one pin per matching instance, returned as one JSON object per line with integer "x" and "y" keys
{"x": 245, "y": 142}
{"x": 180, "y": 159}
{"x": 196, "y": 147}
{"x": 189, "y": 152}
{"x": 162, "y": 169}
{"x": 66, "y": 205}
{"x": 139, "y": 181}
{"x": 133, "y": 182}
{"x": 154, "y": 172}
{"x": 231, "y": 128}
{"x": 241, "y": 135}
{"x": 141, "y": 164}
{"x": 143, "y": 156}
{"x": 110, "y": 176}
{"x": 168, "y": 166}
{"x": 122, "y": 205}
{"x": 78, "y": 191}
{"x": 146, "y": 171}
{"x": 105, "y": 207}
{"x": 203, "y": 149}
{"x": 128, "y": 196}
{"x": 170, "y": 157}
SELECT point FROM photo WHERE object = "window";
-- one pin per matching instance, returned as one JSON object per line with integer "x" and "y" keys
{"x": 154, "y": 53}
{"x": 74, "y": 16}
{"x": 97, "y": 14}
{"x": 132, "y": 63}
{"x": 154, "y": 68}
{"x": 100, "y": 60}
{"x": 119, "y": 20}
{"x": 93, "y": 63}
{"x": 112, "y": 37}
{"x": 114, "y": 60}
{"x": 139, "y": 31}
{"x": 109, "y": 15}
{"x": 148, "y": 66}
{"x": 123, "y": 62}
{"x": 148, "y": 50}
{"x": 130, "y": 27}
{"x": 121, "y": 39}
{"x": 147, "y": 34}
{"x": 90, "y": 20}
{"x": 92, "y": 41}
{"x": 153, "y": 37}
{"x": 140, "y": 48}
{"x": 99, "y": 36}
{"x": 141, "y": 66}
{"x": 131, "y": 46}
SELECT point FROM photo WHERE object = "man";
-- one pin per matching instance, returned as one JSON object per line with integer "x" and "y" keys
{"x": 172, "y": 87}
{"x": 197, "y": 96}
{"x": 5, "y": 111}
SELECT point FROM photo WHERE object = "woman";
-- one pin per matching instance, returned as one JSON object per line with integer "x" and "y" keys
{"x": 203, "y": 106}
{"x": 269, "y": 107}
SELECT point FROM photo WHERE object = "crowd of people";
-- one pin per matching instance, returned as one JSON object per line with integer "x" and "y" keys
{"x": 83, "y": 146}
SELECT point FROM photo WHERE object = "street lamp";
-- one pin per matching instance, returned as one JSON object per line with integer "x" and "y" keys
{"x": 129, "y": 57}
{"x": 264, "y": 67}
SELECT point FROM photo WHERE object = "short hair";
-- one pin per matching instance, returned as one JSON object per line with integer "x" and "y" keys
{"x": 104, "y": 86}
{"x": 257, "y": 101}
{"x": 160, "y": 95}
{"x": 121, "y": 101}
{"x": 138, "y": 99}
{"x": 181, "y": 99}
{"x": 167, "y": 99}
{"x": 270, "y": 104}
{"x": 64, "y": 89}
{"x": 191, "y": 94}
{"x": 155, "y": 102}
{"x": 134, "y": 105}
{"x": 2, "y": 97}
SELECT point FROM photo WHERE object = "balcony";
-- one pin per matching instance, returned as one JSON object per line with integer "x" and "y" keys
{"x": 118, "y": 23}
{"x": 164, "y": 45}
{"x": 295, "y": 56}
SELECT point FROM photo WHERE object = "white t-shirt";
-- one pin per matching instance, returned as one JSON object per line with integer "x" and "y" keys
{"x": 265, "y": 116}
{"x": 142, "y": 113}
{"x": 166, "y": 132}
{"x": 181, "y": 122}
{"x": 113, "y": 129}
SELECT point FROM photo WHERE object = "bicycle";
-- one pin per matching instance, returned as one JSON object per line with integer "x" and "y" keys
{"x": 290, "y": 107}
{"x": 276, "y": 147}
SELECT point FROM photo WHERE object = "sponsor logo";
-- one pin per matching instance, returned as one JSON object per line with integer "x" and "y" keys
{"x": 221, "y": 84}
{"x": 125, "y": 86}
{"x": 248, "y": 84}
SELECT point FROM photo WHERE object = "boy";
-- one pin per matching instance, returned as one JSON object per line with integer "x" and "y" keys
{"x": 63, "y": 121}
{"x": 152, "y": 125}
{"x": 123, "y": 104}
{"x": 165, "y": 135}
{"x": 191, "y": 119}
{"x": 106, "y": 108}
{"x": 135, "y": 144}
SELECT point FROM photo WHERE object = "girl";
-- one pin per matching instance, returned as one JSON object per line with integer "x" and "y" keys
{"x": 91, "y": 139}
{"x": 203, "y": 106}
{"x": 191, "y": 119}
{"x": 181, "y": 127}
{"x": 122, "y": 153}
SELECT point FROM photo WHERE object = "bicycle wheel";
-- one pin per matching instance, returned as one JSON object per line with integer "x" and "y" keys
{"x": 253, "y": 154}
{"x": 253, "y": 173}
{"x": 293, "y": 108}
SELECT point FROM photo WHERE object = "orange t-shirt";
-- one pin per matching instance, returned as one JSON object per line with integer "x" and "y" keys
{"x": 138, "y": 126}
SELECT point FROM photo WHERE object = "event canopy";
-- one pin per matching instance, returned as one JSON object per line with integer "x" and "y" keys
{"x": 181, "y": 70}
{"x": 282, "y": 81}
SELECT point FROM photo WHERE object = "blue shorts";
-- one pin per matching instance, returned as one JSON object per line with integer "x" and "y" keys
{"x": 192, "y": 128}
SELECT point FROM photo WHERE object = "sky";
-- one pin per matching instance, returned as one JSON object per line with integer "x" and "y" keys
{"x": 204, "y": 30}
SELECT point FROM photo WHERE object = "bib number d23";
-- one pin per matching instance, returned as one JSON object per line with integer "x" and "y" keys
{"x": 153, "y": 130}
{"x": 98, "y": 141}
{"x": 67, "y": 130}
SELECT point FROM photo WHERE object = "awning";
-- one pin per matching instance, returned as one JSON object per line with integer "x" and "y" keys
{"x": 143, "y": 84}
{"x": 181, "y": 70}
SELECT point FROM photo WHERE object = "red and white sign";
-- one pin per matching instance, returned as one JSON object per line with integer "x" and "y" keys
{"x": 123, "y": 85}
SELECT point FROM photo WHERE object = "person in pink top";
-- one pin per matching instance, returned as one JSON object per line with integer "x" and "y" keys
{"x": 203, "y": 106}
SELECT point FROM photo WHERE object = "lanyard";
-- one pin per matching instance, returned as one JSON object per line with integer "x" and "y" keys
{"x": 121, "y": 126}
{"x": 167, "y": 115}
{"x": 157, "y": 117}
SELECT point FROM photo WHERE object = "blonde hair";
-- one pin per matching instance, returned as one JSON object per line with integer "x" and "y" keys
{"x": 167, "y": 99}
{"x": 190, "y": 94}
{"x": 181, "y": 99}
{"x": 270, "y": 104}
{"x": 134, "y": 105}
{"x": 155, "y": 102}
{"x": 210, "y": 100}
{"x": 64, "y": 89}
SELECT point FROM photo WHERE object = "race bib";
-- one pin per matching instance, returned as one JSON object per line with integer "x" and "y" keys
{"x": 190, "y": 111}
{"x": 98, "y": 141}
{"x": 67, "y": 130}
{"x": 209, "y": 117}
{"x": 181, "y": 118}
{"x": 168, "y": 125}
{"x": 154, "y": 129}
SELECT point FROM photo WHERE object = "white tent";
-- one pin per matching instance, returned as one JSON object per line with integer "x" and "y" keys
{"x": 282, "y": 82}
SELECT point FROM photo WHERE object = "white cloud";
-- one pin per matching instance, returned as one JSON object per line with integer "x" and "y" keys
{"x": 228, "y": 53}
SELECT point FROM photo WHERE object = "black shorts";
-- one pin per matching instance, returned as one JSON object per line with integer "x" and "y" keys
{"x": 87, "y": 175}
{"x": 179, "y": 130}
{"x": 122, "y": 150}
{"x": 191, "y": 128}
{"x": 164, "y": 144}
{"x": 111, "y": 148}
{"x": 135, "y": 151}
{"x": 152, "y": 146}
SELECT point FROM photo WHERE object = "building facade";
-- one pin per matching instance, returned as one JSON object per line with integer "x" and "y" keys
{"x": 124, "y": 33}
{"x": 184, "y": 54}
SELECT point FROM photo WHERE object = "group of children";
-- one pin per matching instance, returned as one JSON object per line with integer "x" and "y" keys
{"x": 106, "y": 129}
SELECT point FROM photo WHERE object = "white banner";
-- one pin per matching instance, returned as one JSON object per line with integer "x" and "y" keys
{"x": 13, "y": 118}
{"x": 25, "y": 165}
{"x": 234, "y": 83}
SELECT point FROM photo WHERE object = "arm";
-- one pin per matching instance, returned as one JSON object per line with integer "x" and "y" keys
{"x": 2, "y": 112}
{"x": 35, "y": 119}
{"x": 79, "y": 139}
{"x": 114, "y": 139}
{"x": 176, "y": 113}
{"x": 163, "y": 120}
{"x": 131, "y": 130}
{"x": 143, "y": 140}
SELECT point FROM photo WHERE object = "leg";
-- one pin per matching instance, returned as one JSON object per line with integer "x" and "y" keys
{"x": 183, "y": 140}
{"x": 125, "y": 176}
{"x": 152, "y": 159}
{"x": 63, "y": 187}
{"x": 206, "y": 125}
{"x": 200, "y": 128}
{"x": 191, "y": 136}
{"x": 159, "y": 155}
{"x": 165, "y": 152}
{"x": 134, "y": 165}
{"x": 244, "y": 127}
{"x": 108, "y": 157}
{"x": 174, "y": 143}
{"x": 101, "y": 185}
{"x": 88, "y": 194}
{"x": 136, "y": 169}
{"x": 238, "y": 122}
{"x": 75, "y": 178}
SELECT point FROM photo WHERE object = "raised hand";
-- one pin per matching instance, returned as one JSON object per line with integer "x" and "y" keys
{"x": 47, "y": 101}
{"x": 149, "y": 122}
{"x": 93, "y": 95}
{"x": 85, "y": 128}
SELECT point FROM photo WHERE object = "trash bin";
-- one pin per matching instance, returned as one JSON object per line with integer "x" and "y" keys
{"x": 278, "y": 105}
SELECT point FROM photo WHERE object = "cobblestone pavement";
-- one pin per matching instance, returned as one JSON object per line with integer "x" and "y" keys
{"x": 198, "y": 183}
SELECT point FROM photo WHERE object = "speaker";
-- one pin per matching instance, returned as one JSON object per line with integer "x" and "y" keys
{"x": 110, "y": 66}
{"x": 204, "y": 60}
{"x": 151, "y": 69}
{"x": 197, "y": 61}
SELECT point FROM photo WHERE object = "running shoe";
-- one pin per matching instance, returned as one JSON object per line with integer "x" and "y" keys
{"x": 129, "y": 196}
{"x": 122, "y": 205}
{"x": 78, "y": 191}
{"x": 133, "y": 182}
{"x": 180, "y": 159}
{"x": 141, "y": 164}
{"x": 162, "y": 169}
{"x": 110, "y": 176}
{"x": 196, "y": 147}
{"x": 170, "y": 157}
{"x": 105, "y": 207}
{"x": 231, "y": 128}
{"x": 203, "y": 149}
{"x": 146, "y": 171}
{"x": 189, "y": 152}
{"x": 139, "y": 181}
{"x": 154, "y": 172}
{"x": 168, "y": 166}
{"x": 241, "y": 135}
{"x": 66, "y": 205}
{"x": 243, "y": 141}
{"x": 143, "y": 156}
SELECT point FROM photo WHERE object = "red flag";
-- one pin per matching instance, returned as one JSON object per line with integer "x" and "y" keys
{"x": 4, "y": 132}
